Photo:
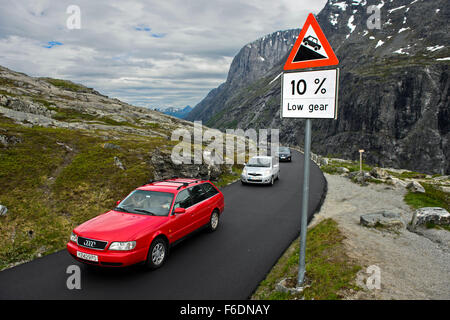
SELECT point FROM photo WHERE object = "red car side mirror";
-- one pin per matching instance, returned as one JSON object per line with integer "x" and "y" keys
{"x": 179, "y": 210}
{"x": 118, "y": 201}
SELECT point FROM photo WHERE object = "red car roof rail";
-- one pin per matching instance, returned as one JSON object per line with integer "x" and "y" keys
{"x": 183, "y": 183}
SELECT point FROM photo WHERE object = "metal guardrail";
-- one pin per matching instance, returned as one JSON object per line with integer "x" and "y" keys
{"x": 314, "y": 157}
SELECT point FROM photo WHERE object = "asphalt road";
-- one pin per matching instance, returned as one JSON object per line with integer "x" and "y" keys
{"x": 258, "y": 224}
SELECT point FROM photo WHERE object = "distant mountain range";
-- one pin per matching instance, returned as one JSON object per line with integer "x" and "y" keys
{"x": 176, "y": 112}
{"x": 394, "y": 86}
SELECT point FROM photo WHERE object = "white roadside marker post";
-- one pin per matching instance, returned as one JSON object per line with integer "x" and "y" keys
{"x": 360, "y": 161}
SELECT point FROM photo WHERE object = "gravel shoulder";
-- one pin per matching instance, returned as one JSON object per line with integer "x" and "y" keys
{"x": 412, "y": 266}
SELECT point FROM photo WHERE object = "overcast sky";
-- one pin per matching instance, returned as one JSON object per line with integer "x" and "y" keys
{"x": 147, "y": 53}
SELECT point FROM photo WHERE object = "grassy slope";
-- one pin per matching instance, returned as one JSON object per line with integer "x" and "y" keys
{"x": 433, "y": 197}
{"x": 329, "y": 271}
{"x": 49, "y": 189}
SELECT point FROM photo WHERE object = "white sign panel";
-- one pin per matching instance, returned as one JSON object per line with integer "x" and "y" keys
{"x": 310, "y": 94}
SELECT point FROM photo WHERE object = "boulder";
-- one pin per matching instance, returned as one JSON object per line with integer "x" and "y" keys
{"x": 118, "y": 163}
{"x": 385, "y": 219}
{"x": 3, "y": 100}
{"x": 353, "y": 174}
{"x": 342, "y": 170}
{"x": 323, "y": 161}
{"x": 65, "y": 146}
{"x": 164, "y": 169}
{"x": 432, "y": 215}
{"x": 396, "y": 182}
{"x": 111, "y": 146}
{"x": 9, "y": 140}
{"x": 3, "y": 210}
{"x": 414, "y": 186}
{"x": 360, "y": 178}
{"x": 287, "y": 285}
{"x": 379, "y": 173}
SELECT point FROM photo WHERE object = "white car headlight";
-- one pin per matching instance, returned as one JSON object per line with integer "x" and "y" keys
{"x": 244, "y": 172}
{"x": 267, "y": 172}
{"x": 73, "y": 237}
{"x": 123, "y": 246}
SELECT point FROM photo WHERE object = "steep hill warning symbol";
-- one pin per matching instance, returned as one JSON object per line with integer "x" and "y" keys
{"x": 311, "y": 48}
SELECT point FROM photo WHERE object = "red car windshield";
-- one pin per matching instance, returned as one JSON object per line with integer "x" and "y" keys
{"x": 147, "y": 202}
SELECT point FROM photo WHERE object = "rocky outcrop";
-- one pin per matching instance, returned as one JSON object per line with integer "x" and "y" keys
{"x": 7, "y": 141}
{"x": 415, "y": 186}
{"x": 430, "y": 215}
{"x": 252, "y": 63}
{"x": 59, "y": 103}
{"x": 118, "y": 163}
{"x": 3, "y": 210}
{"x": 394, "y": 87}
{"x": 164, "y": 169}
{"x": 384, "y": 219}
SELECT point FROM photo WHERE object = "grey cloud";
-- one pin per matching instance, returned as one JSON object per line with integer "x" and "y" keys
{"x": 199, "y": 41}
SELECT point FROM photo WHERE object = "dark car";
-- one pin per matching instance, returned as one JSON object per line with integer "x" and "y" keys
{"x": 312, "y": 42}
{"x": 284, "y": 154}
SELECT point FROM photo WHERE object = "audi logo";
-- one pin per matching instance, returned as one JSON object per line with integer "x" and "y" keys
{"x": 89, "y": 243}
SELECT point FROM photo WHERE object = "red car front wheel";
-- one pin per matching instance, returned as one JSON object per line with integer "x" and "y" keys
{"x": 157, "y": 254}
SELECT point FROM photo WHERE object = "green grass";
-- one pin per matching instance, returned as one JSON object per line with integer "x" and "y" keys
{"x": 431, "y": 225}
{"x": 49, "y": 190}
{"x": 227, "y": 178}
{"x": 65, "y": 84}
{"x": 4, "y": 82}
{"x": 433, "y": 197}
{"x": 70, "y": 115}
{"x": 330, "y": 272}
{"x": 332, "y": 166}
{"x": 373, "y": 180}
{"x": 44, "y": 102}
{"x": 407, "y": 175}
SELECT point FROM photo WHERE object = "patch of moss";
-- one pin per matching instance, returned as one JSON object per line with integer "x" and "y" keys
{"x": 432, "y": 225}
{"x": 407, "y": 175}
{"x": 332, "y": 166}
{"x": 66, "y": 85}
{"x": 328, "y": 268}
{"x": 227, "y": 178}
{"x": 44, "y": 102}
{"x": 433, "y": 197}
{"x": 4, "y": 82}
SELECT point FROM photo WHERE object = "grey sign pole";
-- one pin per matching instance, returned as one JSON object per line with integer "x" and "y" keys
{"x": 304, "y": 218}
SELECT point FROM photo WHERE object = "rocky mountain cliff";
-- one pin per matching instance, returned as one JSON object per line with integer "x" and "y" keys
{"x": 176, "y": 112}
{"x": 394, "y": 87}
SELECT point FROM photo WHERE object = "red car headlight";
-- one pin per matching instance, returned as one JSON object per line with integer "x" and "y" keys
{"x": 123, "y": 246}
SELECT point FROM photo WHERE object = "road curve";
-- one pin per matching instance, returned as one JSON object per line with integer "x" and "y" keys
{"x": 258, "y": 224}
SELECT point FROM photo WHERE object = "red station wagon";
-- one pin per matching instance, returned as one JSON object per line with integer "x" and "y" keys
{"x": 147, "y": 222}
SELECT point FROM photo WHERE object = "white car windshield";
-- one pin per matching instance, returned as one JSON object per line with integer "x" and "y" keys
{"x": 259, "y": 162}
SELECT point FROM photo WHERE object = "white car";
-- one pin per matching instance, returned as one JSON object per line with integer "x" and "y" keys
{"x": 261, "y": 170}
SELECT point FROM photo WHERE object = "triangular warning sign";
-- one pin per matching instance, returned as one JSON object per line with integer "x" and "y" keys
{"x": 311, "y": 48}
